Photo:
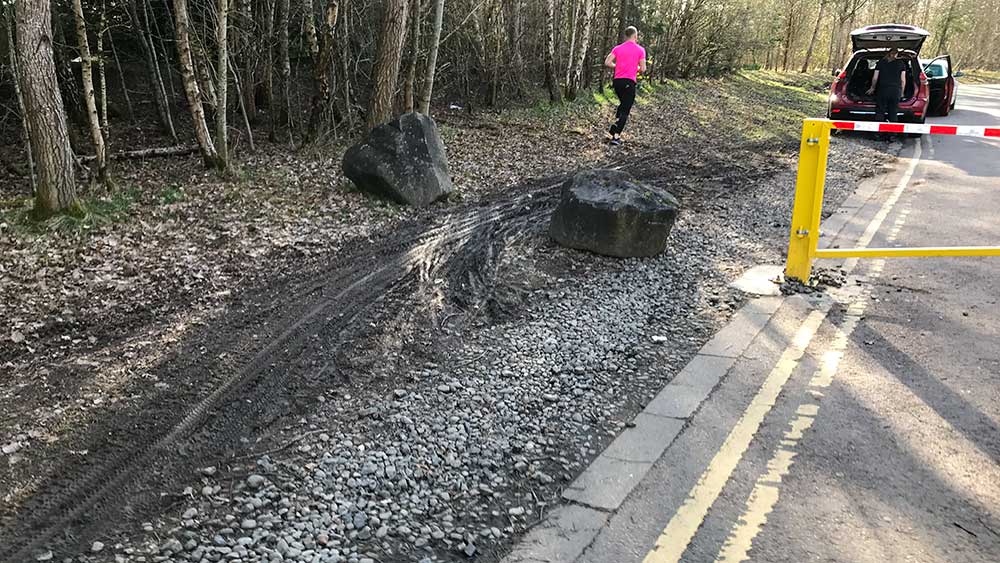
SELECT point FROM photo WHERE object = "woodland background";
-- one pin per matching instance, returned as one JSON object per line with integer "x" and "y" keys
{"x": 164, "y": 77}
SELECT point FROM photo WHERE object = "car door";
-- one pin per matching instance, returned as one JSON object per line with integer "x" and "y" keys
{"x": 940, "y": 82}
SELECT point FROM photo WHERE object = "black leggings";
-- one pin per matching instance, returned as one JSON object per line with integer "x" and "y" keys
{"x": 625, "y": 90}
{"x": 887, "y": 106}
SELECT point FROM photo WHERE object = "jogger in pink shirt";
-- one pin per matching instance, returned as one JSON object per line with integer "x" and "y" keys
{"x": 628, "y": 60}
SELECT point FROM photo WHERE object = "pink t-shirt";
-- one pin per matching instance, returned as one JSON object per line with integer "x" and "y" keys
{"x": 627, "y": 57}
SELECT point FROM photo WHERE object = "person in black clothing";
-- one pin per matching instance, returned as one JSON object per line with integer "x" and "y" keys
{"x": 888, "y": 85}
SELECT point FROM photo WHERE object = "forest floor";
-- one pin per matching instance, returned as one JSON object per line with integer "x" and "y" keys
{"x": 277, "y": 367}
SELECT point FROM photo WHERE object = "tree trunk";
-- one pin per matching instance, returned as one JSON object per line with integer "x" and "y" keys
{"x": 424, "y": 103}
{"x": 324, "y": 65}
{"x": 555, "y": 96}
{"x": 204, "y": 73}
{"x": 284, "y": 66}
{"x": 101, "y": 76}
{"x": 222, "y": 89}
{"x": 9, "y": 19}
{"x": 164, "y": 52}
{"x": 515, "y": 31}
{"x": 86, "y": 69}
{"x": 789, "y": 29}
{"x": 342, "y": 56}
{"x": 812, "y": 42}
{"x": 43, "y": 109}
{"x": 64, "y": 69}
{"x": 243, "y": 107}
{"x": 624, "y": 14}
{"x": 121, "y": 77}
{"x": 148, "y": 48}
{"x": 571, "y": 55}
{"x": 385, "y": 72}
{"x": 411, "y": 72}
{"x": 208, "y": 151}
{"x": 270, "y": 7}
{"x": 573, "y": 85}
{"x": 244, "y": 67}
{"x": 607, "y": 40}
{"x": 309, "y": 26}
{"x": 943, "y": 36}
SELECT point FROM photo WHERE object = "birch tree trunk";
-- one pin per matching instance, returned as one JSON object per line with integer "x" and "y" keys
{"x": 86, "y": 69}
{"x": 205, "y": 144}
{"x": 555, "y": 95}
{"x": 424, "y": 103}
{"x": 574, "y": 26}
{"x": 392, "y": 33}
{"x": 416, "y": 20}
{"x": 101, "y": 77}
{"x": 222, "y": 89}
{"x": 44, "y": 113}
{"x": 573, "y": 85}
{"x": 812, "y": 42}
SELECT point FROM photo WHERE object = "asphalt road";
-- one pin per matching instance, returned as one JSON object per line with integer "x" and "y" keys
{"x": 884, "y": 443}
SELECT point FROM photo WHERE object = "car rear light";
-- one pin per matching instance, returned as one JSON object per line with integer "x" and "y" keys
{"x": 923, "y": 78}
{"x": 842, "y": 75}
{"x": 835, "y": 110}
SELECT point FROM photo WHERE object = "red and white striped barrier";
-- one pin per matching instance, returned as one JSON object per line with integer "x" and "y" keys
{"x": 922, "y": 128}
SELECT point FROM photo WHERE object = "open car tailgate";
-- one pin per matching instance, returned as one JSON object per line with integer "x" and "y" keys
{"x": 886, "y": 36}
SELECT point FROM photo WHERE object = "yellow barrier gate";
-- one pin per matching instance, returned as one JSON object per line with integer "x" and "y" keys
{"x": 803, "y": 243}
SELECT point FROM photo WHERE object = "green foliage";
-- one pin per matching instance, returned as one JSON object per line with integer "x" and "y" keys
{"x": 171, "y": 194}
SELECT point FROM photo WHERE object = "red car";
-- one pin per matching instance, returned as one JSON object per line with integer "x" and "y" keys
{"x": 849, "y": 98}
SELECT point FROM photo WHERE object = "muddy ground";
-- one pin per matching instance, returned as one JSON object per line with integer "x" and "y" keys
{"x": 196, "y": 322}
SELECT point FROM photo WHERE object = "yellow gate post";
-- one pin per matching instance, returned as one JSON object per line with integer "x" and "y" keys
{"x": 804, "y": 237}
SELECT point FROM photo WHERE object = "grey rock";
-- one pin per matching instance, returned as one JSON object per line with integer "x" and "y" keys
{"x": 256, "y": 481}
{"x": 607, "y": 212}
{"x": 403, "y": 160}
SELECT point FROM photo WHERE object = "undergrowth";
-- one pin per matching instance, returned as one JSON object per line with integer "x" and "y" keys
{"x": 91, "y": 213}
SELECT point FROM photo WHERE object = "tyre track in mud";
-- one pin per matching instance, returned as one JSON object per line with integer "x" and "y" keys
{"x": 87, "y": 498}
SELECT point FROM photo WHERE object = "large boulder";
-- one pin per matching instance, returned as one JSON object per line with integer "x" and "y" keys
{"x": 606, "y": 212}
{"x": 403, "y": 160}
